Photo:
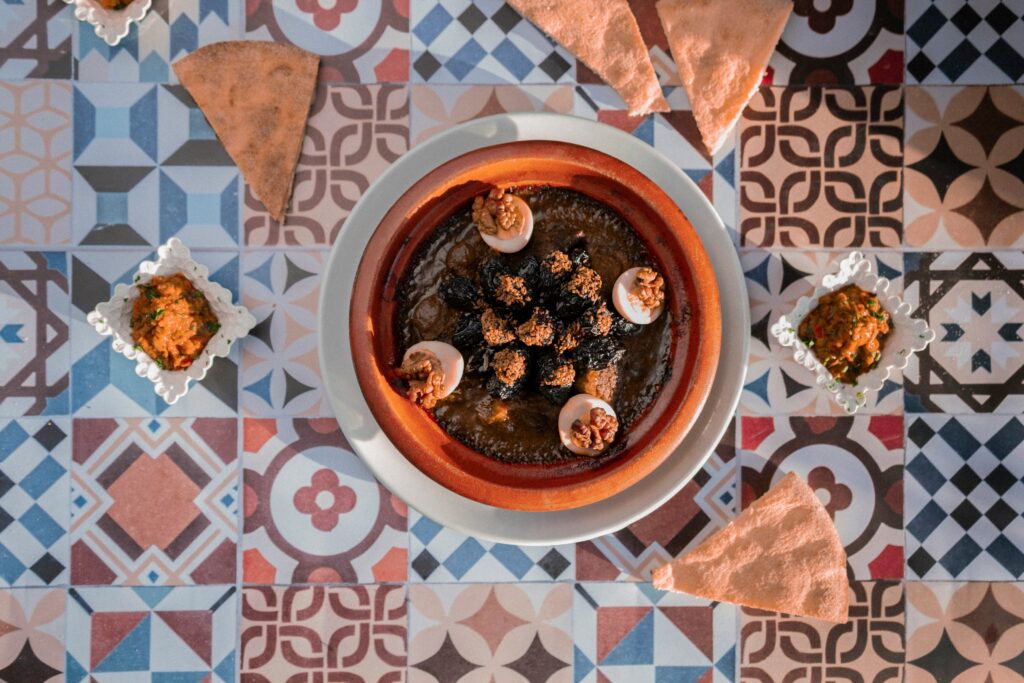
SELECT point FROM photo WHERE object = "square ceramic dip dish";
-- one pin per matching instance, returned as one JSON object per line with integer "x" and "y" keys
{"x": 907, "y": 335}
{"x": 110, "y": 24}
{"x": 113, "y": 318}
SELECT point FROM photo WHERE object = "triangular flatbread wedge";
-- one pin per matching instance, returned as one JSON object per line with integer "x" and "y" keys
{"x": 604, "y": 35}
{"x": 782, "y": 554}
{"x": 721, "y": 49}
{"x": 256, "y": 96}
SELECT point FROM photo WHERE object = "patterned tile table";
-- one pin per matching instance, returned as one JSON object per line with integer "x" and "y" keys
{"x": 236, "y": 536}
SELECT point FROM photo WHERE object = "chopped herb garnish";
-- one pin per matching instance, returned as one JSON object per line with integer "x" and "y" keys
{"x": 212, "y": 327}
{"x": 156, "y": 314}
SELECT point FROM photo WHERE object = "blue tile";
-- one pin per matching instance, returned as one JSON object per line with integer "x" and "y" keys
{"x": 926, "y": 474}
{"x": 960, "y": 555}
{"x": 431, "y": 26}
{"x": 425, "y": 529}
{"x": 466, "y": 59}
{"x": 42, "y": 526}
{"x": 514, "y": 559}
{"x": 40, "y": 479}
{"x": 11, "y": 437}
{"x": 1008, "y": 555}
{"x": 926, "y": 521}
{"x": 11, "y": 567}
{"x": 464, "y": 557}
{"x": 959, "y": 438}
{"x": 512, "y": 59}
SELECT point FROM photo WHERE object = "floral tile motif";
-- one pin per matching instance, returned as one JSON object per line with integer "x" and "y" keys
{"x": 964, "y": 167}
{"x": 439, "y": 555}
{"x": 821, "y": 167}
{"x": 704, "y": 505}
{"x": 964, "y": 632}
{"x": 154, "y": 502}
{"x": 963, "y": 497}
{"x": 963, "y": 42}
{"x": 33, "y": 333}
{"x": 848, "y": 43}
{"x": 32, "y": 636}
{"x": 34, "y": 515}
{"x": 126, "y": 165}
{"x": 854, "y": 465}
{"x": 780, "y": 647}
{"x": 504, "y": 633}
{"x": 975, "y": 304}
{"x": 148, "y": 633}
{"x": 35, "y": 39}
{"x": 482, "y": 41}
{"x": 353, "y": 134}
{"x": 355, "y": 634}
{"x": 35, "y": 162}
{"x": 104, "y": 383}
{"x": 280, "y": 370}
{"x": 636, "y": 633}
{"x": 435, "y": 108}
{"x": 313, "y": 513}
{"x": 675, "y": 135}
{"x": 776, "y": 384}
{"x": 365, "y": 41}
{"x": 169, "y": 31}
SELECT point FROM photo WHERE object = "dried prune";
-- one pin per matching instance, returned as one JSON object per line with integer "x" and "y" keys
{"x": 596, "y": 321}
{"x": 529, "y": 270}
{"x": 468, "y": 332}
{"x": 478, "y": 360}
{"x": 490, "y": 277}
{"x": 459, "y": 292}
{"x": 555, "y": 394}
{"x": 502, "y": 391}
{"x": 596, "y": 353}
{"x": 554, "y": 270}
{"x": 622, "y": 327}
{"x": 579, "y": 255}
{"x": 555, "y": 377}
{"x": 510, "y": 367}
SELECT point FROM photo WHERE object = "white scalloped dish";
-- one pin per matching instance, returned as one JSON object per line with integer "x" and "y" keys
{"x": 907, "y": 335}
{"x": 113, "y": 318}
{"x": 110, "y": 24}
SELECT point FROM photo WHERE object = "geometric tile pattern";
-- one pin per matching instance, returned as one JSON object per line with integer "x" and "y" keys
{"x": 965, "y": 42}
{"x": 32, "y": 635}
{"x": 964, "y": 632}
{"x": 280, "y": 370}
{"x": 675, "y": 134}
{"x": 34, "y": 486}
{"x": 775, "y": 383}
{"x": 312, "y": 511}
{"x": 103, "y": 383}
{"x": 35, "y": 196}
{"x": 633, "y": 632}
{"x": 138, "y": 147}
{"x": 154, "y": 502}
{"x": 358, "y": 42}
{"x": 870, "y": 647}
{"x": 503, "y": 633}
{"x": 975, "y": 304}
{"x": 438, "y": 108}
{"x": 353, "y": 134}
{"x": 35, "y": 39}
{"x": 854, "y": 464}
{"x": 704, "y": 505}
{"x": 34, "y": 356}
{"x": 821, "y": 167}
{"x": 965, "y": 497}
{"x": 841, "y": 43}
{"x": 965, "y": 167}
{"x": 159, "y": 634}
{"x": 169, "y": 31}
{"x": 439, "y": 555}
{"x": 486, "y": 41}
{"x": 350, "y": 634}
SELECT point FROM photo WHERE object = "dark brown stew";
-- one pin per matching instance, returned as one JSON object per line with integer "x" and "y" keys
{"x": 529, "y": 434}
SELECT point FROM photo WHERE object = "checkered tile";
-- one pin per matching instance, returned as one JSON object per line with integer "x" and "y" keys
{"x": 440, "y": 554}
{"x": 965, "y": 41}
{"x": 964, "y": 497}
{"x": 458, "y": 41}
{"x": 34, "y": 488}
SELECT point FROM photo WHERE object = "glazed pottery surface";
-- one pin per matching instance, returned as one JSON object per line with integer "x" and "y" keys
{"x": 670, "y": 239}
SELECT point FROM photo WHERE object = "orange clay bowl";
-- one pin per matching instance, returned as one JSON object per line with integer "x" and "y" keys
{"x": 671, "y": 241}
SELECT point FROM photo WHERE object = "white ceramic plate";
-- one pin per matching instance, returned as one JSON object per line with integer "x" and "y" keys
{"x": 433, "y": 500}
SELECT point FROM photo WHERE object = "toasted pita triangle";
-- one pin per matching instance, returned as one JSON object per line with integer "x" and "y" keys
{"x": 782, "y": 553}
{"x": 721, "y": 49}
{"x": 256, "y": 96}
{"x": 604, "y": 35}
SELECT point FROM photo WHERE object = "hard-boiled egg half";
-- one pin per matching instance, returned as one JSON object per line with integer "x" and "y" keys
{"x": 628, "y": 306}
{"x": 578, "y": 408}
{"x": 515, "y": 239}
{"x": 451, "y": 361}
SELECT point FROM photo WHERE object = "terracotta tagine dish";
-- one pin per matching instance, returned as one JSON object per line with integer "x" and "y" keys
{"x": 535, "y": 325}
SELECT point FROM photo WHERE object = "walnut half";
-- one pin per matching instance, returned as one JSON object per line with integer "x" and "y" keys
{"x": 648, "y": 289}
{"x": 597, "y": 433}
{"x": 422, "y": 371}
{"x": 496, "y": 212}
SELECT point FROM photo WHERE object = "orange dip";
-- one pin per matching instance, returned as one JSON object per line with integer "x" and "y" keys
{"x": 846, "y": 332}
{"x": 172, "y": 321}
